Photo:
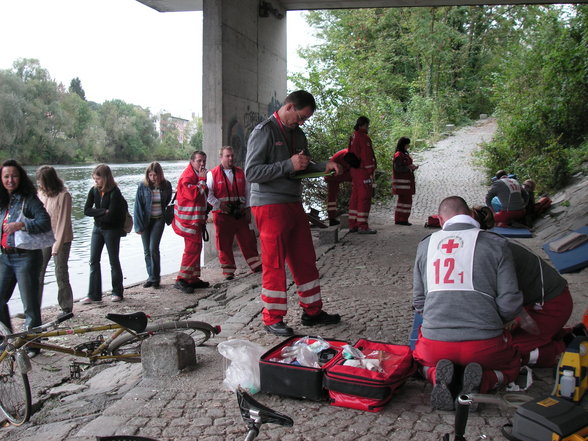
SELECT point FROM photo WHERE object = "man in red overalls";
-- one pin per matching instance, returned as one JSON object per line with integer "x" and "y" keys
{"x": 277, "y": 149}
{"x": 362, "y": 178}
{"x": 228, "y": 193}
{"x": 189, "y": 221}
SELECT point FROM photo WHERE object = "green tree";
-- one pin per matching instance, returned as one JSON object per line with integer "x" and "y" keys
{"x": 75, "y": 86}
{"x": 12, "y": 118}
{"x": 541, "y": 94}
{"x": 130, "y": 133}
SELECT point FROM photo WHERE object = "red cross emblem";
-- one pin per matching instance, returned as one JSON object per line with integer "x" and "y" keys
{"x": 449, "y": 246}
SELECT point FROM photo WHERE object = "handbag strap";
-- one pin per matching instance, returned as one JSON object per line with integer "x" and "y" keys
{"x": 173, "y": 199}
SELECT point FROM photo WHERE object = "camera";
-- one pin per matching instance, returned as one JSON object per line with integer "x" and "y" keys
{"x": 235, "y": 209}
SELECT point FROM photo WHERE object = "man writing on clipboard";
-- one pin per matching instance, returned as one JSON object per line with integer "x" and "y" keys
{"x": 276, "y": 150}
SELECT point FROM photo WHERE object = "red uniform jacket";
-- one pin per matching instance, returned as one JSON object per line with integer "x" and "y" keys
{"x": 338, "y": 158}
{"x": 360, "y": 145}
{"x": 402, "y": 176}
{"x": 190, "y": 206}
{"x": 226, "y": 191}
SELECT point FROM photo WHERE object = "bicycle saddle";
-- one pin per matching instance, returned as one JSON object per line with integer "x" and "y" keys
{"x": 254, "y": 412}
{"x": 137, "y": 321}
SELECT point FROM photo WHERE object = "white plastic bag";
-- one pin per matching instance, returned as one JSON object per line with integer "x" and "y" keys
{"x": 243, "y": 368}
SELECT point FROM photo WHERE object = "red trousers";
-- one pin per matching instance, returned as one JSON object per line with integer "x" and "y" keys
{"x": 498, "y": 357}
{"x": 333, "y": 183}
{"x": 361, "y": 198}
{"x": 504, "y": 217}
{"x": 403, "y": 207}
{"x": 285, "y": 238}
{"x": 550, "y": 319}
{"x": 190, "y": 266}
{"x": 227, "y": 228}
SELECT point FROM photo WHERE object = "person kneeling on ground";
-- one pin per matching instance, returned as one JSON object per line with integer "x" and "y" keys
{"x": 512, "y": 199}
{"x": 539, "y": 331}
{"x": 465, "y": 286}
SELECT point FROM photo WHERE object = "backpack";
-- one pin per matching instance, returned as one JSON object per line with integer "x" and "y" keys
{"x": 433, "y": 222}
{"x": 128, "y": 223}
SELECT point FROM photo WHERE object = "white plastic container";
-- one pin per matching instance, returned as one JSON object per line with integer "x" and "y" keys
{"x": 567, "y": 384}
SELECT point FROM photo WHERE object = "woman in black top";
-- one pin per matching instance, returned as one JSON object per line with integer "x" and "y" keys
{"x": 108, "y": 207}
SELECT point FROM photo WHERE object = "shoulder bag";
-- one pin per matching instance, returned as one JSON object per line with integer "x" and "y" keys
{"x": 168, "y": 212}
{"x": 128, "y": 224}
{"x": 29, "y": 241}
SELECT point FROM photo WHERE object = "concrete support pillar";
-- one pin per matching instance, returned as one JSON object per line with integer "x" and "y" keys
{"x": 244, "y": 76}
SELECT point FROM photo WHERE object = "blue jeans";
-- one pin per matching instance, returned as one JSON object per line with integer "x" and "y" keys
{"x": 22, "y": 269}
{"x": 151, "y": 238}
{"x": 110, "y": 238}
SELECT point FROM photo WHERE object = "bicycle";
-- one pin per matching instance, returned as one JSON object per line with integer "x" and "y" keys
{"x": 253, "y": 412}
{"x": 129, "y": 331}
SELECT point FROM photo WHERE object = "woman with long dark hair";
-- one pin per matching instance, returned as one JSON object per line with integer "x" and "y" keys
{"x": 19, "y": 266}
{"x": 362, "y": 178}
{"x": 106, "y": 204}
{"x": 403, "y": 182}
{"x": 57, "y": 202}
{"x": 153, "y": 195}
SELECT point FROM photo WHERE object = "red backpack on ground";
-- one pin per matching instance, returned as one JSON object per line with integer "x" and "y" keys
{"x": 433, "y": 222}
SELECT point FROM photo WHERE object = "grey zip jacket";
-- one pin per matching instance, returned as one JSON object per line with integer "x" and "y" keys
{"x": 268, "y": 166}
{"x": 477, "y": 312}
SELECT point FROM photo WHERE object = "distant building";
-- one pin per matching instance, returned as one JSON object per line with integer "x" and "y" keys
{"x": 165, "y": 122}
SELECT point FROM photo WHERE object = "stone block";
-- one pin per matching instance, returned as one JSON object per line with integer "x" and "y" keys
{"x": 328, "y": 236}
{"x": 167, "y": 354}
{"x": 344, "y": 219}
{"x": 483, "y": 116}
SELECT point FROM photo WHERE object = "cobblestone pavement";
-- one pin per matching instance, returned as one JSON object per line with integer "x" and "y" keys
{"x": 367, "y": 279}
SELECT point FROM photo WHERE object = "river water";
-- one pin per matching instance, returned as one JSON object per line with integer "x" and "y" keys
{"x": 78, "y": 180}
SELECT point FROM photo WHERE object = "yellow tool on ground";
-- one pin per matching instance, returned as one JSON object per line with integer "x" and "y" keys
{"x": 571, "y": 379}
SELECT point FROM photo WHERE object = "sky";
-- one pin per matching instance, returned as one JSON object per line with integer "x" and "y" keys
{"x": 120, "y": 49}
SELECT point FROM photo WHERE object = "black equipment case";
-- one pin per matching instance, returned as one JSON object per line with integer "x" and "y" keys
{"x": 550, "y": 419}
{"x": 294, "y": 380}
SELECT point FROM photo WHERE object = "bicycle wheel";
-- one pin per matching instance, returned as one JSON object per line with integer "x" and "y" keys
{"x": 131, "y": 344}
{"x": 15, "y": 392}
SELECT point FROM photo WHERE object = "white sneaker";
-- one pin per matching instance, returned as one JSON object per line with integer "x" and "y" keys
{"x": 116, "y": 299}
{"x": 88, "y": 300}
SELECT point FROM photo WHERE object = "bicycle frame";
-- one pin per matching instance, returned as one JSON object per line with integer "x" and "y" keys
{"x": 33, "y": 340}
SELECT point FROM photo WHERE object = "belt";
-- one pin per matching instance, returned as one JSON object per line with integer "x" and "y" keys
{"x": 12, "y": 250}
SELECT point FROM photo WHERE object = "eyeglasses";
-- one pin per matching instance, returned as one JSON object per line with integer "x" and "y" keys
{"x": 300, "y": 119}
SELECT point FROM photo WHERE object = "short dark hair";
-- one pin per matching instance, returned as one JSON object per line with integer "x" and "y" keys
{"x": 452, "y": 206}
{"x": 402, "y": 143}
{"x": 361, "y": 121}
{"x": 25, "y": 186}
{"x": 197, "y": 152}
{"x": 301, "y": 99}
